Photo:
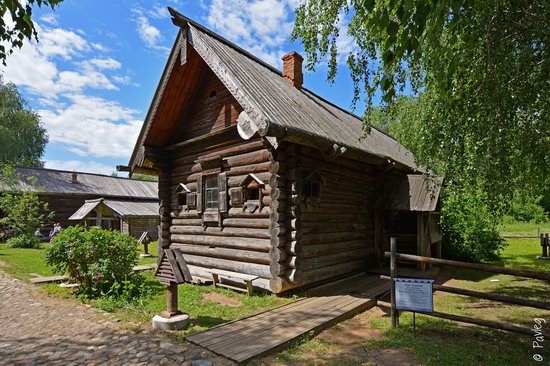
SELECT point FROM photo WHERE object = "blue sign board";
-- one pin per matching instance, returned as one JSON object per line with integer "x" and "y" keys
{"x": 414, "y": 294}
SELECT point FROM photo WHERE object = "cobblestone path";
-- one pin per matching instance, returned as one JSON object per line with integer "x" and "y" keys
{"x": 37, "y": 329}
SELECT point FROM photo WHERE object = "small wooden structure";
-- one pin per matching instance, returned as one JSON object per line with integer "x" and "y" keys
{"x": 130, "y": 217}
{"x": 172, "y": 271}
{"x": 258, "y": 175}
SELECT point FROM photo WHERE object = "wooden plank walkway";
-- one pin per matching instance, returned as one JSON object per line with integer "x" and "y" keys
{"x": 273, "y": 330}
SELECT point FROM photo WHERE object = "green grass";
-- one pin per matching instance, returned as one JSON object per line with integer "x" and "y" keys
{"x": 442, "y": 342}
{"x": 524, "y": 229}
{"x": 204, "y": 313}
{"x": 21, "y": 262}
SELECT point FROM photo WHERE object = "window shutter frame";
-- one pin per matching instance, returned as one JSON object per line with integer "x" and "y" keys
{"x": 199, "y": 194}
{"x": 222, "y": 192}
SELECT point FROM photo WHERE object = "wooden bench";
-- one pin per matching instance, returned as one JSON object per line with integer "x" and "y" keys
{"x": 247, "y": 279}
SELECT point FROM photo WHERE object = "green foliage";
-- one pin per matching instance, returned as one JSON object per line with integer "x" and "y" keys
{"x": 526, "y": 208}
{"x": 470, "y": 231}
{"x": 23, "y": 138}
{"x": 13, "y": 31}
{"x": 480, "y": 72}
{"x": 23, "y": 211}
{"x": 24, "y": 241}
{"x": 100, "y": 260}
{"x": 151, "y": 178}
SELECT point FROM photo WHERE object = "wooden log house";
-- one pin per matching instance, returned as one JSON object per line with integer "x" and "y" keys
{"x": 67, "y": 192}
{"x": 257, "y": 174}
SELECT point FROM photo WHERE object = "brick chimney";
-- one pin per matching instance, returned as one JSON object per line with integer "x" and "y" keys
{"x": 292, "y": 68}
{"x": 74, "y": 178}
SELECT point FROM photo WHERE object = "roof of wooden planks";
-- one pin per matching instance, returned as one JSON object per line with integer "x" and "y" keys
{"x": 58, "y": 182}
{"x": 267, "y": 97}
{"x": 412, "y": 192}
{"x": 125, "y": 209}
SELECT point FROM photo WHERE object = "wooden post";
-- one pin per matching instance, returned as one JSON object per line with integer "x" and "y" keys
{"x": 394, "y": 313}
{"x": 545, "y": 244}
{"x": 171, "y": 301}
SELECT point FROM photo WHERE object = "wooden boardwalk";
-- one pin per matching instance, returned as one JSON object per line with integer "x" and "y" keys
{"x": 273, "y": 330}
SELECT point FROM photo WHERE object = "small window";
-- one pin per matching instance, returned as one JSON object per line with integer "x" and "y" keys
{"x": 211, "y": 193}
{"x": 252, "y": 194}
{"x": 312, "y": 190}
{"x": 212, "y": 94}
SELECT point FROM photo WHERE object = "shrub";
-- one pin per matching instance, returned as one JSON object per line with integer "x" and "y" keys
{"x": 526, "y": 208}
{"x": 100, "y": 260}
{"x": 470, "y": 229}
{"x": 24, "y": 241}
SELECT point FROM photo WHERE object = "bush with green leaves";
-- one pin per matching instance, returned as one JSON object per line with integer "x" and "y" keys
{"x": 24, "y": 241}
{"x": 526, "y": 207}
{"x": 470, "y": 230}
{"x": 99, "y": 260}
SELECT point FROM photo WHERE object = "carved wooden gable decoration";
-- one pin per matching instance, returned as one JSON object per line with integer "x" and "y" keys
{"x": 172, "y": 268}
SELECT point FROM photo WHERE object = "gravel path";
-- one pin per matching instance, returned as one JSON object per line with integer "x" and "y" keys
{"x": 36, "y": 329}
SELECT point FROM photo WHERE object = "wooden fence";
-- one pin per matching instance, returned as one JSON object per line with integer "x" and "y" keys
{"x": 394, "y": 256}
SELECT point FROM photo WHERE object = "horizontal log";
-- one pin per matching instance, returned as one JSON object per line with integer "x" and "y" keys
{"x": 279, "y": 284}
{"x": 315, "y": 250}
{"x": 464, "y": 319}
{"x": 545, "y": 276}
{"x": 237, "y": 212}
{"x": 305, "y": 277}
{"x": 235, "y": 181}
{"x": 262, "y": 245}
{"x": 326, "y": 260}
{"x": 319, "y": 238}
{"x": 224, "y": 253}
{"x": 277, "y": 255}
{"x": 277, "y": 269}
{"x": 182, "y": 157}
{"x": 247, "y": 223}
{"x": 229, "y": 232}
{"x": 312, "y": 227}
{"x": 187, "y": 222}
{"x": 494, "y": 297}
{"x": 261, "y": 270}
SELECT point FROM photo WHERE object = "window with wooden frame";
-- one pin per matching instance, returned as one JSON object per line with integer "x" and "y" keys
{"x": 212, "y": 197}
{"x": 211, "y": 193}
{"x": 249, "y": 194}
{"x": 187, "y": 200}
{"x": 311, "y": 188}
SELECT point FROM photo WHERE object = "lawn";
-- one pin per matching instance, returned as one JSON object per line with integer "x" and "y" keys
{"x": 438, "y": 341}
{"x": 208, "y": 306}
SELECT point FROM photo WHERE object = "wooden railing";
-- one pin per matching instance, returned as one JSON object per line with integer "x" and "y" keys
{"x": 394, "y": 256}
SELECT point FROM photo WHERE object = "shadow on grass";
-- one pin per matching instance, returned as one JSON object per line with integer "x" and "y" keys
{"x": 208, "y": 321}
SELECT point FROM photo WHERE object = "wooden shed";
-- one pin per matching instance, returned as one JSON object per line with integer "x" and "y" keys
{"x": 257, "y": 174}
{"x": 65, "y": 192}
{"x": 130, "y": 217}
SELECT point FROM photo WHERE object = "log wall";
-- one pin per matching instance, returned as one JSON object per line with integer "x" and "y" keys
{"x": 335, "y": 235}
{"x": 241, "y": 241}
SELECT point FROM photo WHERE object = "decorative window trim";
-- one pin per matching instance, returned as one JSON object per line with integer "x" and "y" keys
{"x": 186, "y": 199}
{"x": 251, "y": 193}
{"x": 311, "y": 188}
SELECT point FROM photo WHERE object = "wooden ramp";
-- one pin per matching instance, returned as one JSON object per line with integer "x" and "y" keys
{"x": 273, "y": 330}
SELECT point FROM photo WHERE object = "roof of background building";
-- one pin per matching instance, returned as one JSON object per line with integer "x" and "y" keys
{"x": 50, "y": 181}
{"x": 119, "y": 208}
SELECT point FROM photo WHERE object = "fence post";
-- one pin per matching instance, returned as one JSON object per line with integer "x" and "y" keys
{"x": 394, "y": 312}
{"x": 545, "y": 244}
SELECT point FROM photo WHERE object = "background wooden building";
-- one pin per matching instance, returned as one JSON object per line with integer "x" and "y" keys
{"x": 66, "y": 192}
{"x": 130, "y": 217}
{"x": 259, "y": 175}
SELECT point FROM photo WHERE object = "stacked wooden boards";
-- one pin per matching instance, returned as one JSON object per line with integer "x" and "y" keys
{"x": 275, "y": 329}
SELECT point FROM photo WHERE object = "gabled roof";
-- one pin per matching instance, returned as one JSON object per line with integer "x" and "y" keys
{"x": 274, "y": 105}
{"x": 412, "y": 192}
{"x": 119, "y": 208}
{"x": 58, "y": 182}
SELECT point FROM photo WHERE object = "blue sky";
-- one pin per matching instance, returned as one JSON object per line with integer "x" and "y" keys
{"x": 93, "y": 73}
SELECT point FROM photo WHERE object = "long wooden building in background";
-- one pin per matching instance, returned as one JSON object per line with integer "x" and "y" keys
{"x": 260, "y": 176}
{"x": 67, "y": 193}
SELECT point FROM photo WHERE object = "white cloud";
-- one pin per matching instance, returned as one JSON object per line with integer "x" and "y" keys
{"x": 158, "y": 12}
{"x": 148, "y": 33}
{"x": 86, "y": 125}
{"x": 93, "y": 126}
{"x": 50, "y": 19}
{"x": 260, "y": 26}
{"x": 80, "y": 166}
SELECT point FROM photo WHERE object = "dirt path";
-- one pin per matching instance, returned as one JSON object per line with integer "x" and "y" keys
{"x": 38, "y": 329}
